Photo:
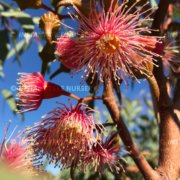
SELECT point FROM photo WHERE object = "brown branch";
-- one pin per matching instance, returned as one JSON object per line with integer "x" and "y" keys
{"x": 65, "y": 93}
{"x": 90, "y": 98}
{"x": 176, "y": 101}
{"x": 154, "y": 86}
{"x": 177, "y": 95}
{"x": 142, "y": 164}
{"x": 169, "y": 145}
{"x": 160, "y": 14}
{"x": 169, "y": 151}
{"x": 72, "y": 171}
{"x": 169, "y": 18}
{"x": 108, "y": 124}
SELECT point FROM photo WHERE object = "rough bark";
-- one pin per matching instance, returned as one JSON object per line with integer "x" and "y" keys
{"x": 169, "y": 129}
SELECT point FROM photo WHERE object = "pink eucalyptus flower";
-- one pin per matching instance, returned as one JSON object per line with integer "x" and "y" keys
{"x": 63, "y": 50}
{"x": 170, "y": 53}
{"x": 33, "y": 89}
{"x": 105, "y": 154}
{"x": 18, "y": 155}
{"x": 107, "y": 41}
{"x": 171, "y": 57}
{"x": 65, "y": 136}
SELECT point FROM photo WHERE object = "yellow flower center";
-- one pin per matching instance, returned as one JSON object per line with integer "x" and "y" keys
{"x": 108, "y": 43}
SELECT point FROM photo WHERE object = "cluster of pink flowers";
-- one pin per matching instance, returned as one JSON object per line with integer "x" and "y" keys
{"x": 170, "y": 53}
{"x": 110, "y": 43}
{"x": 18, "y": 155}
{"x": 69, "y": 137}
{"x": 105, "y": 154}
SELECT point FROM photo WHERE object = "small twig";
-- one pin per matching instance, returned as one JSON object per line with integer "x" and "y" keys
{"x": 155, "y": 93}
{"x": 65, "y": 93}
{"x": 72, "y": 171}
{"x": 43, "y": 6}
{"x": 90, "y": 98}
{"x": 81, "y": 100}
{"x": 100, "y": 127}
{"x": 7, "y": 5}
{"x": 109, "y": 124}
{"x": 154, "y": 86}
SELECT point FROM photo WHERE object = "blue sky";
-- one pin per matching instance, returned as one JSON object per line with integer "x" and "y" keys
{"x": 31, "y": 63}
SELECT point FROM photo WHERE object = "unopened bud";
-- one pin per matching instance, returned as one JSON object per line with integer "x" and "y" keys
{"x": 33, "y": 89}
{"x": 52, "y": 90}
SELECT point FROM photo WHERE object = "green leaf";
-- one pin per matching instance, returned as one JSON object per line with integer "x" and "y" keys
{"x": 176, "y": 13}
{"x": 18, "y": 49}
{"x": 6, "y": 6}
{"x": 47, "y": 55}
{"x": 153, "y": 3}
{"x": 1, "y": 70}
{"x": 8, "y": 96}
{"x": 1, "y": 8}
{"x": 15, "y": 14}
{"x": 4, "y": 45}
{"x": 36, "y": 20}
{"x": 27, "y": 23}
{"x": 24, "y": 19}
{"x": 61, "y": 69}
{"x": 54, "y": 2}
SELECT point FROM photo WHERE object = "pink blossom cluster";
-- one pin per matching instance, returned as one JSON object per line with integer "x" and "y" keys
{"x": 69, "y": 137}
{"x": 111, "y": 43}
{"x": 17, "y": 155}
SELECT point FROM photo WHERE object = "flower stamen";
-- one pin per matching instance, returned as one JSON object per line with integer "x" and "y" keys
{"x": 108, "y": 43}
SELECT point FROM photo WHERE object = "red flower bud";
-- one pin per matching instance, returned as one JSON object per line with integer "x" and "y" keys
{"x": 51, "y": 90}
{"x": 33, "y": 89}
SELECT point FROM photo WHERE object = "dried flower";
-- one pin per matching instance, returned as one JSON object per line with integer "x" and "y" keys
{"x": 18, "y": 155}
{"x": 24, "y": 4}
{"x": 66, "y": 136}
{"x": 50, "y": 23}
{"x": 33, "y": 89}
{"x": 110, "y": 43}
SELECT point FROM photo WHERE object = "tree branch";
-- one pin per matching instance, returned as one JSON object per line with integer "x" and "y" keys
{"x": 90, "y": 98}
{"x": 176, "y": 101}
{"x": 44, "y": 6}
{"x": 177, "y": 95}
{"x": 160, "y": 15}
{"x": 169, "y": 145}
{"x": 142, "y": 164}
